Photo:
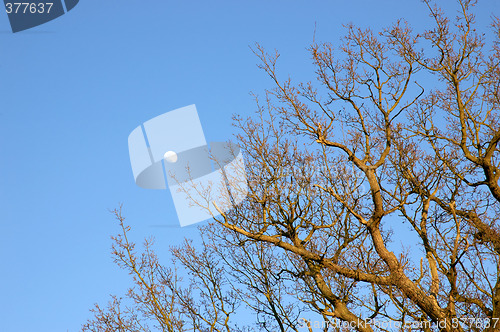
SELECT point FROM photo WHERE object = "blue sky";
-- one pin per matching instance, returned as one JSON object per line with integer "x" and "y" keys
{"x": 73, "y": 89}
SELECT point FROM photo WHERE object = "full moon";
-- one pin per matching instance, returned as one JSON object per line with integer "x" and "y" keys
{"x": 170, "y": 156}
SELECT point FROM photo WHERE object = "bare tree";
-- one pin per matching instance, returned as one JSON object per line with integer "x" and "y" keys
{"x": 399, "y": 135}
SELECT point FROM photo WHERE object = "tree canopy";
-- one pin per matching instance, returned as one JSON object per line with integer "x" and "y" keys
{"x": 374, "y": 195}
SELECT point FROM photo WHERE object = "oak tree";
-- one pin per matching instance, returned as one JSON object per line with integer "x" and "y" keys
{"x": 373, "y": 195}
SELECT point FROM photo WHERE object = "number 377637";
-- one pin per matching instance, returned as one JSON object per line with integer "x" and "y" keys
{"x": 27, "y": 7}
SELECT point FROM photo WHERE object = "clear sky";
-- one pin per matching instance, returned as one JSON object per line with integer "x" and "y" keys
{"x": 73, "y": 89}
